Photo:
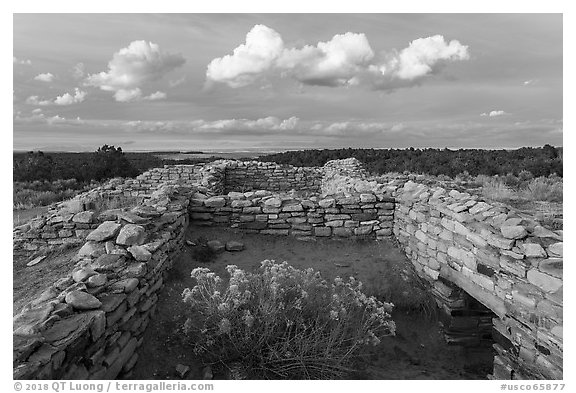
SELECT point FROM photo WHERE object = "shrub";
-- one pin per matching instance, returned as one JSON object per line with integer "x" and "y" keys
{"x": 495, "y": 189}
{"x": 544, "y": 189}
{"x": 283, "y": 322}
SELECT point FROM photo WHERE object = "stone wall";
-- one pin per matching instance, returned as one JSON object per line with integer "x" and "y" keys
{"x": 88, "y": 324}
{"x": 264, "y": 212}
{"x": 254, "y": 175}
{"x": 509, "y": 263}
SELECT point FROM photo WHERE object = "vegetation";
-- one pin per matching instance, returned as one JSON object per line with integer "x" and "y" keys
{"x": 281, "y": 322}
{"x": 542, "y": 161}
{"x": 511, "y": 188}
{"x": 29, "y": 194}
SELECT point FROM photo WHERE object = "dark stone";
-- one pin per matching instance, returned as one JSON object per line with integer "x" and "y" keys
{"x": 485, "y": 270}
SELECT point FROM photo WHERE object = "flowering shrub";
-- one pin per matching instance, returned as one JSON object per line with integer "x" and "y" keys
{"x": 283, "y": 322}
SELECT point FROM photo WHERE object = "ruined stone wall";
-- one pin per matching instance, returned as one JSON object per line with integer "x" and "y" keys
{"x": 264, "y": 212}
{"x": 509, "y": 263}
{"x": 246, "y": 176}
{"x": 88, "y": 324}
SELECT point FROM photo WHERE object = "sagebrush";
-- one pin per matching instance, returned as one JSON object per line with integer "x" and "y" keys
{"x": 282, "y": 322}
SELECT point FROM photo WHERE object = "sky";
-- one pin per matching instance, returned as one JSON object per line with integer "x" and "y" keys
{"x": 286, "y": 81}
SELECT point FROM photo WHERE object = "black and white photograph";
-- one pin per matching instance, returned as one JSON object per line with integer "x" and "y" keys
{"x": 201, "y": 197}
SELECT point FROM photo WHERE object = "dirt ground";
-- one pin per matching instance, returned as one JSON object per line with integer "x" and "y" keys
{"x": 29, "y": 282}
{"x": 418, "y": 351}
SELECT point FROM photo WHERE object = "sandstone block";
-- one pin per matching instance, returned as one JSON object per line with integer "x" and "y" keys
{"x": 105, "y": 231}
{"x": 514, "y": 232}
{"x": 131, "y": 234}
{"x": 82, "y": 300}
{"x": 544, "y": 281}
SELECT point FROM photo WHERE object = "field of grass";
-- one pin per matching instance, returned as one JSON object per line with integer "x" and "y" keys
{"x": 30, "y": 194}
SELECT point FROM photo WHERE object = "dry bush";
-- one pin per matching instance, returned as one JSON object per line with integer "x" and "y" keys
{"x": 544, "y": 189}
{"x": 282, "y": 322}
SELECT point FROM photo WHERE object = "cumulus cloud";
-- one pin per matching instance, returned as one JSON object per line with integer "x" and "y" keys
{"x": 159, "y": 95}
{"x": 45, "y": 77}
{"x": 15, "y": 60}
{"x": 133, "y": 67}
{"x": 128, "y": 95}
{"x": 37, "y": 117}
{"x": 345, "y": 60}
{"x": 262, "y": 47}
{"x": 35, "y": 100}
{"x": 69, "y": 99}
{"x": 494, "y": 113}
{"x": 64, "y": 99}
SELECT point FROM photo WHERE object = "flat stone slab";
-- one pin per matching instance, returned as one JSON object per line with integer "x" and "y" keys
{"x": 131, "y": 234}
{"x": 216, "y": 245}
{"x": 82, "y": 300}
{"x": 105, "y": 231}
{"x": 234, "y": 246}
{"x": 36, "y": 260}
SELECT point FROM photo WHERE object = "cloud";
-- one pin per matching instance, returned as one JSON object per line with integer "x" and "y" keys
{"x": 177, "y": 82}
{"x": 262, "y": 47}
{"x": 35, "y": 100}
{"x": 159, "y": 95}
{"x": 133, "y": 95}
{"x": 264, "y": 125}
{"x": 69, "y": 99}
{"x": 64, "y": 99}
{"x": 133, "y": 67}
{"x": 79, "y": 71}
{"x": 15, "y": 60}
{"x": 128, "y": 95}
{"x": 345, "y": 60}
{"x": 494, "y": 113}
{"x": 37, "y": 117}
{"x": 45, "y": 77}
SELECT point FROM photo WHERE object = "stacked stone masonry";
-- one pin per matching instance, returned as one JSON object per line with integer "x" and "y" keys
{"x": 509, "y": 263}
{"x": 263, "y": 212}
{"x": 89, "y": 324}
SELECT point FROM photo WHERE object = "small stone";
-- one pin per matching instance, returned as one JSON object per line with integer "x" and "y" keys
{"x": 82, "y": 274}
{"x": 367, "y": 198}
{"x": 216, "y": 245}
{"x": 97, "y": 280}
{"x": 234, "y": 246}
{"x": 182, "y": 370}
{"x": 105, "y": 231}
{"x": 36, "y": 260}
{"x": 513, "y": 232}
{"x": 556, "y": 249}
{"x": 140, "y": 253}
{"x": 273, "y": 202}
{"x": 544, "y": 281}
{"x": 92, "y": 249}
{"x": 82, "y": 300}
{"x": 297, "y": 207}
{"x": 533, "y": 250}
{"x": 131, "y": 234}
{"x": 215, "y": 202}
{"x": 132, "y": 218}
{"x": 83, "y": 217}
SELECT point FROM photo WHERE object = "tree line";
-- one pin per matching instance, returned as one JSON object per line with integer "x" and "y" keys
{"x": 539, "y": 161}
